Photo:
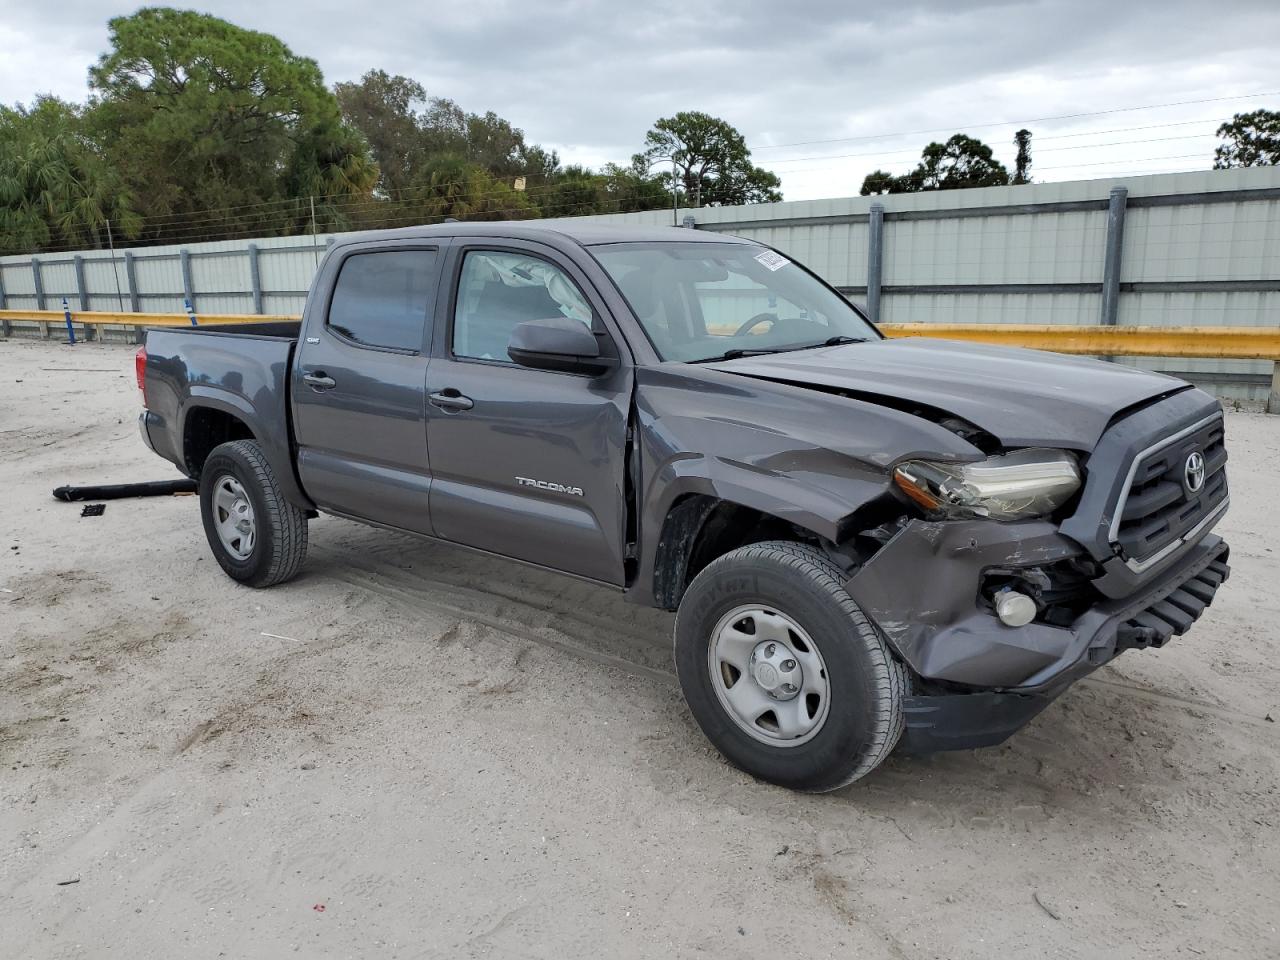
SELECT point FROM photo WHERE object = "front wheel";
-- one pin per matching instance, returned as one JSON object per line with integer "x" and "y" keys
{"x": 782, "y": 670}
{"x": 258, "y": 537}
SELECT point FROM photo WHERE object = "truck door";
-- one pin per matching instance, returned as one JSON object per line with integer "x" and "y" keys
{"x": 525, "y": 463}
{"x": 359, "y": 384}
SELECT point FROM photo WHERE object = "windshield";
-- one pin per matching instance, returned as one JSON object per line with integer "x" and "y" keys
{"x": 705, "y": 301}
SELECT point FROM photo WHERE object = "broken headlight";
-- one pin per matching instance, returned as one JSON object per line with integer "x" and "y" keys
{"x": 1012, "y": 486}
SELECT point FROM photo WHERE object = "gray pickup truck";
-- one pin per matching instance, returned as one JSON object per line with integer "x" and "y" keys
{"x": 865, "y": 541}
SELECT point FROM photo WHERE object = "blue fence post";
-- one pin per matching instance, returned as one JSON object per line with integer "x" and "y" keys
{"x": 191, "y": 313}
{"x": 82, "y": 292}
{"x": 71, "y": 330}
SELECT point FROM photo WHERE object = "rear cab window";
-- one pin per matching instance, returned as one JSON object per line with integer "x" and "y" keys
{"x": 383, "y": 298}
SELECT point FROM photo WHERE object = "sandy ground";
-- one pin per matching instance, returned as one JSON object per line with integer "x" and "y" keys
{"x": 443, "y": 755}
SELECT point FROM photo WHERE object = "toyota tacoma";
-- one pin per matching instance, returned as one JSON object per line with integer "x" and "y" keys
{"x": 867, "y": 542}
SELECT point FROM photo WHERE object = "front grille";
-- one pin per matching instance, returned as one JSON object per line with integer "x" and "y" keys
{"x": 1159, "y": 507}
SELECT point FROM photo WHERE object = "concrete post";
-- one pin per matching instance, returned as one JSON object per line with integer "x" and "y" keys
{"x": 131, "y": 275}
{"x": 255, "y": 278}
{"x": 1273, "y": 401}
{"x": 875, "y": 260}
{"x": 38, "y": 283}
{"x": 184, "y": 257}
{"x": 1112, "y": 261}
{"x": 82, "y": 293}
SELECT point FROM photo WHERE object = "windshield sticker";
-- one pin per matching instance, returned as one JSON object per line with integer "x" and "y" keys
{"x": 772, "y": 260}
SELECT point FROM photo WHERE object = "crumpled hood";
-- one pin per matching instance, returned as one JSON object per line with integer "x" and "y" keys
{"x": 1022, "y": 397}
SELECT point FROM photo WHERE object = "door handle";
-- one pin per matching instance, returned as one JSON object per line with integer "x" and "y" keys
{"x": 319, "y": 381}
{"x": 451, "y": 399}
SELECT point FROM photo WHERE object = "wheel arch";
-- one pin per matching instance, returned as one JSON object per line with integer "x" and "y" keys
{"x": 700, "y": 527}
{"x": 205, "y": 426}
{"x": 210, "y": 417}
{"x": 700, "y": 515}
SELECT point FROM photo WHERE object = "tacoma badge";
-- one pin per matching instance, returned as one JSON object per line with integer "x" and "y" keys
{"x": 553, "y": 487}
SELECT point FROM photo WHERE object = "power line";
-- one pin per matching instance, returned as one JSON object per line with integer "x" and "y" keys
{"x": 403, "y": 217}
{"x": 1009, "y": 123}
{"x": 210, "y": 219}
{"x": 1070, "y": 166}
{"x": 1149, "y": 126}
{"x": 1083, "y": 146}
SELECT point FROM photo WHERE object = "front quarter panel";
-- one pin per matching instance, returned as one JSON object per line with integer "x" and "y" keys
{"x": 804, "y": 456}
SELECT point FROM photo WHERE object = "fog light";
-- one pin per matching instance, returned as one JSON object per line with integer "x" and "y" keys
{"x": 1014, "y": 609}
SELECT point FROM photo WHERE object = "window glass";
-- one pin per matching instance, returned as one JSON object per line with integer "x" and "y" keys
{"x": 701, "y": 300}
{"x": 497, "y": 291}
{"x": 382, "y": 299}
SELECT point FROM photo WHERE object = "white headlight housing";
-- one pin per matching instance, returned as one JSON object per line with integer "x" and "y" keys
{"x": 1026, "y": 483}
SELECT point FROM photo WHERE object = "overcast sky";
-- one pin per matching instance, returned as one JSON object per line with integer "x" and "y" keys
{"x": 824, "y": 91}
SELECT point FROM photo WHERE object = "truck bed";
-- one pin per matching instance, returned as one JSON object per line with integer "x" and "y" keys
{"x": 239, "y": 369}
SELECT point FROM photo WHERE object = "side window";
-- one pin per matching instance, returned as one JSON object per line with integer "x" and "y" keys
{"x": 497, "y": 291}
{"x": 382, "y": 299}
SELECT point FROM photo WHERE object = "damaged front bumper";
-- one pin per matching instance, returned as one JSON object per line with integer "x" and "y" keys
{"x": 923, "y": 590}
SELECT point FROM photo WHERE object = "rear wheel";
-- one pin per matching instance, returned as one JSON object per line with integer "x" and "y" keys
{"x": 782, "y": 670}
{"x": 257, "y": 536}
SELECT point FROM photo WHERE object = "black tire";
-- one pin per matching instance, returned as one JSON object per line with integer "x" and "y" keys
{"x": 280, "y": 541}
{"x": 866, "y": 686}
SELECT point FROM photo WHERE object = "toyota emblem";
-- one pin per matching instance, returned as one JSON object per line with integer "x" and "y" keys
{"x": 1193, "y": 472}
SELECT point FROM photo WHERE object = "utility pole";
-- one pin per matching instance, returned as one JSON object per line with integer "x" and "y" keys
{"x": 115, "y": 267}
{"x": 675, "y": 188}
{"x": 675, "y": 193}
{"x": 315, "y": 243}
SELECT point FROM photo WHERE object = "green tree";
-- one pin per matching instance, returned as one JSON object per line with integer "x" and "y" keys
{"x": 55, "y": 188}
{"x": 961, "y": 162}
{"x": 384, "y": 109}
{"x": 712, "y": 158}
{"x": 879, "y": 182}
{"x": 199, "y": 114}
{"x": 453, "y": 187}
{"x": 632, "y": 189}
{"x": 1252, "y": 140}
{"x": 1022, "y": 163}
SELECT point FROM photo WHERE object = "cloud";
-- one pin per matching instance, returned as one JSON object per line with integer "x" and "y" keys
{"x": 589, "y": 77}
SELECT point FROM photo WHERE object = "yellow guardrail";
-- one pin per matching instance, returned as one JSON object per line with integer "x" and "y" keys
{"x": 112, "y": 319}
{"x": 1221, "y": 343}
{"x": 1227, "y": 343}
{"x": 1224, "y": 343}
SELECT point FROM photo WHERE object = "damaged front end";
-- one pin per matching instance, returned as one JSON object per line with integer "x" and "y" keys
{"x": 997, "y": 617}
{"x": 933, "y": 591}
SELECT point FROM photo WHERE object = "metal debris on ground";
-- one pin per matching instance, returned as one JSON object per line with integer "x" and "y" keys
{"x": 93, "y": 510}
{"x": 117, "y": 491}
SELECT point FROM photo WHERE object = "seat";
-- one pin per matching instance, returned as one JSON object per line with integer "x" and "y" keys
{"x": 498, "y": 309}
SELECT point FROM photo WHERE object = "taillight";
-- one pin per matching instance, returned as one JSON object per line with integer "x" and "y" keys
{"x": 140, "y": 368}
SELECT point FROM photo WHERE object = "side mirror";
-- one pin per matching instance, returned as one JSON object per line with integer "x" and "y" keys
{"x": 558, "y": 343}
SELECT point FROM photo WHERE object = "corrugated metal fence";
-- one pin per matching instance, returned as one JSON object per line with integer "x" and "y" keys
{"x": 1189, "y": 249}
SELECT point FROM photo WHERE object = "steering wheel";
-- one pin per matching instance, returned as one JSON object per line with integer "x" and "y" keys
{"x": 755, "y": 321}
